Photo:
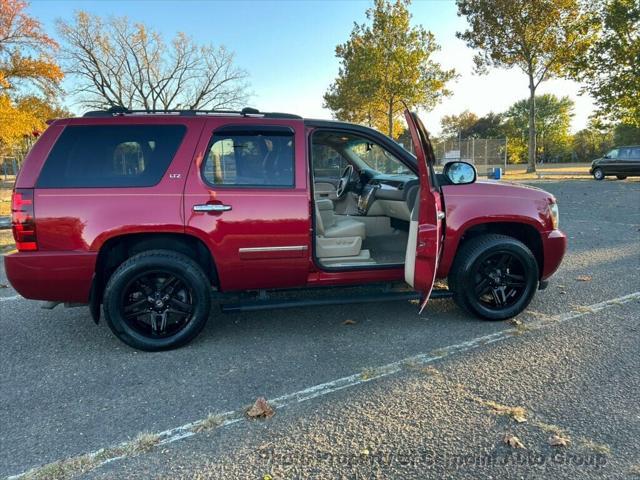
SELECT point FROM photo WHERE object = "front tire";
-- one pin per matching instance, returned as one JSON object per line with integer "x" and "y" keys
{"x": 494, "y": 277}
{"x": 598, "y": 174}
{"x": 157, "y": 300}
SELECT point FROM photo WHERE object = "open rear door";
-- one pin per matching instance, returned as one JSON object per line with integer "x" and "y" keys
{"x": 425, "y": 233}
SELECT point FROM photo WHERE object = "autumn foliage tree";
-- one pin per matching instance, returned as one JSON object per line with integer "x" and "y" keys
{"x": 29, "y": 76}
{"x": 116, "y": 62}
{"x": 543, "y": 38}
{"x": 385, "y": 65}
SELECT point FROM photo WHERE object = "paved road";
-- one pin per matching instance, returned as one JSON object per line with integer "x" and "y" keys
{"x": 69, "y": 387}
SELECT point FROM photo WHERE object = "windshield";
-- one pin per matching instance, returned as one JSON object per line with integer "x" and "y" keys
{"x": 377, "y": 158}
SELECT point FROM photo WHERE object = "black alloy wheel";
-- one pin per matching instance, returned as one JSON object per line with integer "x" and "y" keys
{"x": 499, "y": 280}
{"x": 494, "y": 276}
{"x": 157, "y": 300}
{"x": 157, "y": 303}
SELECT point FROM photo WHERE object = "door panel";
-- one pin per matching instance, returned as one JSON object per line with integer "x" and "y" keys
{"x": 259, "y": 234}
{"x": 629, "y": 161}
{"x": 425, "y": 228}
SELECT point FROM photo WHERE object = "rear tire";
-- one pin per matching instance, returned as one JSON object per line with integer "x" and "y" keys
{"x": 157, "y": 300}
{"x": 598, "y": 174}
{"x": 494, "y": 277}
{"x": 621, "y": 177}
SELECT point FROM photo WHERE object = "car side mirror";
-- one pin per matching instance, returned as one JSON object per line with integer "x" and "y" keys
{"x": 606, "y": 156}
{"x": 460, "y": 173}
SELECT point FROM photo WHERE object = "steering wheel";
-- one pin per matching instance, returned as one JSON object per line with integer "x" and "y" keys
{"x": 345, "y": 178}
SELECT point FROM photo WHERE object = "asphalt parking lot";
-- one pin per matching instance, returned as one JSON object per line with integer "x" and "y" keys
{"x": 392, "y": 394}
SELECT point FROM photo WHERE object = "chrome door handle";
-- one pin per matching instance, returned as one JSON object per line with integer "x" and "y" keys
{"x": 211, "y": 207}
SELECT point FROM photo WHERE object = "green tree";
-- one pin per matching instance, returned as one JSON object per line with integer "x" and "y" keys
{"x": 626, "y": 134}
{"x": 458, "y": 125}
{"x": 553, "y": 121}
{"x": 592, "y": 142}
{"x": 610, "y": 67}
{"x": 384, "y": 65}
{"x": 468, "y": 124}
{"x": 541, "y": 37}
{"x": 489, "y": 126}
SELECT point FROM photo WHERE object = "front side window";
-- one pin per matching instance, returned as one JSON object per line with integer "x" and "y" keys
{"x": 613, "y": 154}
{"x": 250, "y": 158}
{"x": 332, "y": 150}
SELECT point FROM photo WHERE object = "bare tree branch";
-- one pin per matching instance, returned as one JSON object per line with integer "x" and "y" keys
{"x": 119, "y": 63}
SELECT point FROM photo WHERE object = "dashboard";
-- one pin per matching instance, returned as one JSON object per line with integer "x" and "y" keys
{"x": 388, "y": 195}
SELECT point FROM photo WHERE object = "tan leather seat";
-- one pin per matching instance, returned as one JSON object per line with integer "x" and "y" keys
{"x": 336, "y": 237}
{"x": 336, "y": 226}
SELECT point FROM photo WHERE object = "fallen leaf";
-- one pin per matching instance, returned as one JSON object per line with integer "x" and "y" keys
{"x": 4, "y": 285}
{"x": 584, "y": 278}
{"x": 513, "y": 441}
{"x": 260, "y": 409}
{"x": 266, "y": 476}
{"x": 558, "y": 441}
{"x": 519, "y": 418}
{"x": 364, "y": 452}
{"x": 515, "y": 322}
{"x": 583, "y": 309}
{"x": 349, "y": 322}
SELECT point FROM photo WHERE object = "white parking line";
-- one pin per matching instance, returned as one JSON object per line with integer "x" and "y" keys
{"x": 15, "y": 297}
{"x": 228, "y": 418}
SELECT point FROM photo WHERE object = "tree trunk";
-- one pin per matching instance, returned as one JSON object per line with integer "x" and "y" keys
{"x": 531, "y": 167}
{"x": 390, "y": 119}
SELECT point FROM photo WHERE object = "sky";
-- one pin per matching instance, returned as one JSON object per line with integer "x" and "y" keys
{"x": 288, "y": 48}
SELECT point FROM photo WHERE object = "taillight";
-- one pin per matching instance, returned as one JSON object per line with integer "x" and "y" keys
{"x": 23, "y": 221}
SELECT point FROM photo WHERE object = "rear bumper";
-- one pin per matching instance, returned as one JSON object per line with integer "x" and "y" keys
{"x": 554, "y": 245}
{"x": 53, "y": 276}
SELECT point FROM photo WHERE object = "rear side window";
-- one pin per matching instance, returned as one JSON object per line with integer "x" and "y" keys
{"x": 257, "y": 158}
{"x": 111, "y": 156}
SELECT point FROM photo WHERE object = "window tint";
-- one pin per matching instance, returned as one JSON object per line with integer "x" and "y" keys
{"x": 111, "y": 156}
{"x": 635, "y": 153}
{"x": 613, "y": 154}
{"x": 327, "y": 162}
{"x": 250, "y": 158}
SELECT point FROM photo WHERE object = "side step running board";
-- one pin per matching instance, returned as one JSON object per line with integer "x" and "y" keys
{"x": 268, "y": 304}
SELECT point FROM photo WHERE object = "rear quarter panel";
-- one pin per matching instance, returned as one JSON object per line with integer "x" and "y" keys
{"x": 73, "y": 223}
{"x": 82, "y": 219}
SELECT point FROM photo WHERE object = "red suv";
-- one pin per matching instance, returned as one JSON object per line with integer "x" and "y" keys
{"x": 146, "y": 212}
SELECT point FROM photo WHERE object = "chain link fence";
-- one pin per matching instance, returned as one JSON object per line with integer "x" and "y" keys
{"x": 484, "y": 153}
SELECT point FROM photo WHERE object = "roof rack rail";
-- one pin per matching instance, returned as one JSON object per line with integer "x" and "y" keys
{"x": 245, "y": 112}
